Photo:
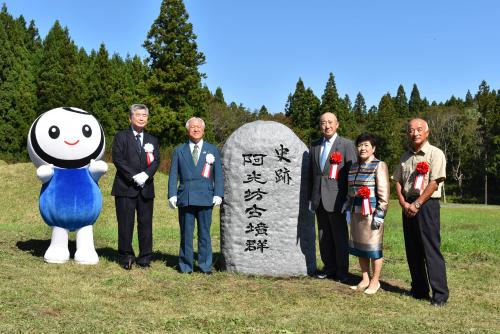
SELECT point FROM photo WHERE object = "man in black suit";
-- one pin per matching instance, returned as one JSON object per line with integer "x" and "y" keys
{"x": 328, "y": 190}
{"x": 136, "y": 155}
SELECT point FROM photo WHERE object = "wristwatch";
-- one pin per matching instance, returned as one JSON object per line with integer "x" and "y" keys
{"x": 417, "y": 204}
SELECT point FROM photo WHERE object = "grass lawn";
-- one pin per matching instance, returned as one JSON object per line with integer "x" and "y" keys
{"x": 36, "y": 297}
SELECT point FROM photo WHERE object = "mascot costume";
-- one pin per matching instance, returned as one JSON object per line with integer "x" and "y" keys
{"x": 65, "y": 144}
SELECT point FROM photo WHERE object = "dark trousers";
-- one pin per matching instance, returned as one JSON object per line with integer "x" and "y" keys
{"x": 187, "y": 216}
{"x": 126, "y": 208}
{"x": 422, "y": 242}
{"x": 333, "y": 242}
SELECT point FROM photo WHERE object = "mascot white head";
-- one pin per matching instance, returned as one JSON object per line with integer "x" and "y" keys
{"x": 65, "y": 144}
{"x": 66, "y": 138}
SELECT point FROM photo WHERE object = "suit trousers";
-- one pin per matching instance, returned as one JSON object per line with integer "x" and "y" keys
{"x": 422, "y": 243}
{"x": 333, "y": 242}
{"x": 125, "y": 213}
{"x": 187, "y": 216}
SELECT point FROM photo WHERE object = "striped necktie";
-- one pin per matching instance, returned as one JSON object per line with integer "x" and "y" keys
{"x": 195, "y": 154}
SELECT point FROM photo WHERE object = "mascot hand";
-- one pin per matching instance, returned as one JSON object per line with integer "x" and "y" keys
{"x": 97, "y": 168}
{"x": 45, "y": 172}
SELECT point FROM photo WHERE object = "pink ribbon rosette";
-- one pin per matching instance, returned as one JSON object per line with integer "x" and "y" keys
{"x": 364, "y": 193}
{"x": 335, "y": 160}
{"x": 149, "y": 148}
{"x": 209, "y": 160}
{"x": 422, "y": 169}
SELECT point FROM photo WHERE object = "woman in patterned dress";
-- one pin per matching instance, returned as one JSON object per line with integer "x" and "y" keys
{"x": 366, "y": 204}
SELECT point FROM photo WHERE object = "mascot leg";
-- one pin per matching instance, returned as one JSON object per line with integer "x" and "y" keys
{"x": 85, "y": 251}
{"x": 58, "y": 251}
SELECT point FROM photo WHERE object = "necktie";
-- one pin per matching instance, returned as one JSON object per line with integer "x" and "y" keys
{"x": 138, "y": 140}
{"x": 324, "y": 155}
{"x": 195, "y": 154}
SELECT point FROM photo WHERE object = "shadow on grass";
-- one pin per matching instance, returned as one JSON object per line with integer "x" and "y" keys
{"x": 37, "y": 247}
{"x": 386, "y": 286}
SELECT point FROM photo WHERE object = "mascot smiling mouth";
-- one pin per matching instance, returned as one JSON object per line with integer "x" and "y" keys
{"x": 76, "y": 142}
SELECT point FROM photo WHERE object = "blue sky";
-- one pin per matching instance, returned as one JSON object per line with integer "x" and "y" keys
{"x": 256, "y": 50}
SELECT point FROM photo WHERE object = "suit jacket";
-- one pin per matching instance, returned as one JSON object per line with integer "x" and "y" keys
{"x": 194, "y": 189}
{"x": 129, "y": 161}
{"x": 330, "y": 191}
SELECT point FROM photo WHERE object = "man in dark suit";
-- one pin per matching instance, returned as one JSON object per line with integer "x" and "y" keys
{"x": 136, "y": 155}
{"x": 328, "y": 190}
{"x": 196, "y": 166}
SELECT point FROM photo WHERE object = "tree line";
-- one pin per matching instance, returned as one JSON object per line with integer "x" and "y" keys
{"x": 38, "y": 74}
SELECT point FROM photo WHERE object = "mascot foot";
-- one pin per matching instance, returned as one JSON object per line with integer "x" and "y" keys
{"x": 58, "y": 251}
{"x": 85, "y": 250}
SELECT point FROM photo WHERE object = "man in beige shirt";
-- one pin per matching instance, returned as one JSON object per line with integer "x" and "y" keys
{"x": 418, "y": 195}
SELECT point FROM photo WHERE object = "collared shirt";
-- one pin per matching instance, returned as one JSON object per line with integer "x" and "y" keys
{"x": 199, "y": 144}
{"x": 405, "y": 172}
{"x": 141, "y": 136}
{"x": 328, "y": 145}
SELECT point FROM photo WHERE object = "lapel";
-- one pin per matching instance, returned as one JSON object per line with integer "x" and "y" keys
{"x": 188, "y": 157}
{"x": 133, "y": 142}
{"x": 335, "y": 147}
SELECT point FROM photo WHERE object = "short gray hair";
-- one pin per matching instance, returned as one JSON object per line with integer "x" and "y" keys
{"x": 195, "y": 119}
{"x": 137, "y": 106}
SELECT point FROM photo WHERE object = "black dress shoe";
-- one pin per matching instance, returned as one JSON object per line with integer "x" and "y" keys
{"x": 341, "y": 279}
{"x": 127, "y": 266}
{"x": 144, "y": 265}
{"x": 207, "y": 272}
{"x": 320, "y": 275}
{"x": 438, "y": 303}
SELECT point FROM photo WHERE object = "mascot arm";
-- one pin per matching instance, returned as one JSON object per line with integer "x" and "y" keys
{"x": 97, "y": 169}
{"x": 45, "y": 172}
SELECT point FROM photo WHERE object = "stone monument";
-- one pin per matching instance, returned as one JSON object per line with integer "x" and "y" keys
{"x": 266, "y": 227}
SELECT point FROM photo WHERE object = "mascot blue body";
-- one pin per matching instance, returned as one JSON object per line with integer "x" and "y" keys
{"x": 71, "y": 199}
{"x": 65, "y": 144}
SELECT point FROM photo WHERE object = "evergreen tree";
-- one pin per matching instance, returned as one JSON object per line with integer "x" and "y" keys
{"x": 302, "y": 108}
{"x": 359, "y": 108}
{"x": 330, "y": 102}
{"x": 219, "y": 96}
{"x": 401, "y": 103}
{"x": 469, "y": 100}
{"x": 263, "y": 113}
{"x": 17, "y": 84}
{"x": 415, "y": 105}
{"x": 58, "y": 72}
{"x": 347, "y": 103}
{"x": 174, "y": 82}
{"x": 489, "y": 125}
{"x": 390, "y": 130}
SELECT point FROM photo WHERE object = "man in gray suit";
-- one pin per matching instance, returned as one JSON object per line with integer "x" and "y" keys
{"x": 331, "y": 157}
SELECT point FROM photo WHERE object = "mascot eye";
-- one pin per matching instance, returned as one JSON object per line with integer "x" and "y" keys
{"x": 54, "y": 132}
{"x": 86, "y": 130}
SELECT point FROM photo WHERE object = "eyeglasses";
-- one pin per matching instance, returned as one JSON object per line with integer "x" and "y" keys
{"x": 417, "y": 130}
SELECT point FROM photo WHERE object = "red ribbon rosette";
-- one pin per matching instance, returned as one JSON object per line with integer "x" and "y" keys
{"x": 364, "y": 193}
{"x": 335, "y": 160}
{"x": 149, "y": 148}
{"x": 422, "y": 169}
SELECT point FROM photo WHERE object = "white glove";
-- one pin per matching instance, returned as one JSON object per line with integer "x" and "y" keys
{"x": 172, "y": 202}
{"x": 377, "y": 222}
{"x": 348, "y": 217}
{"x": 45, "y": 172}
{"x": 217, "y": 200}
{"x": 310, "y": 207}
{"x": 97, "y": 168}
{"x": 140, "y": 179}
